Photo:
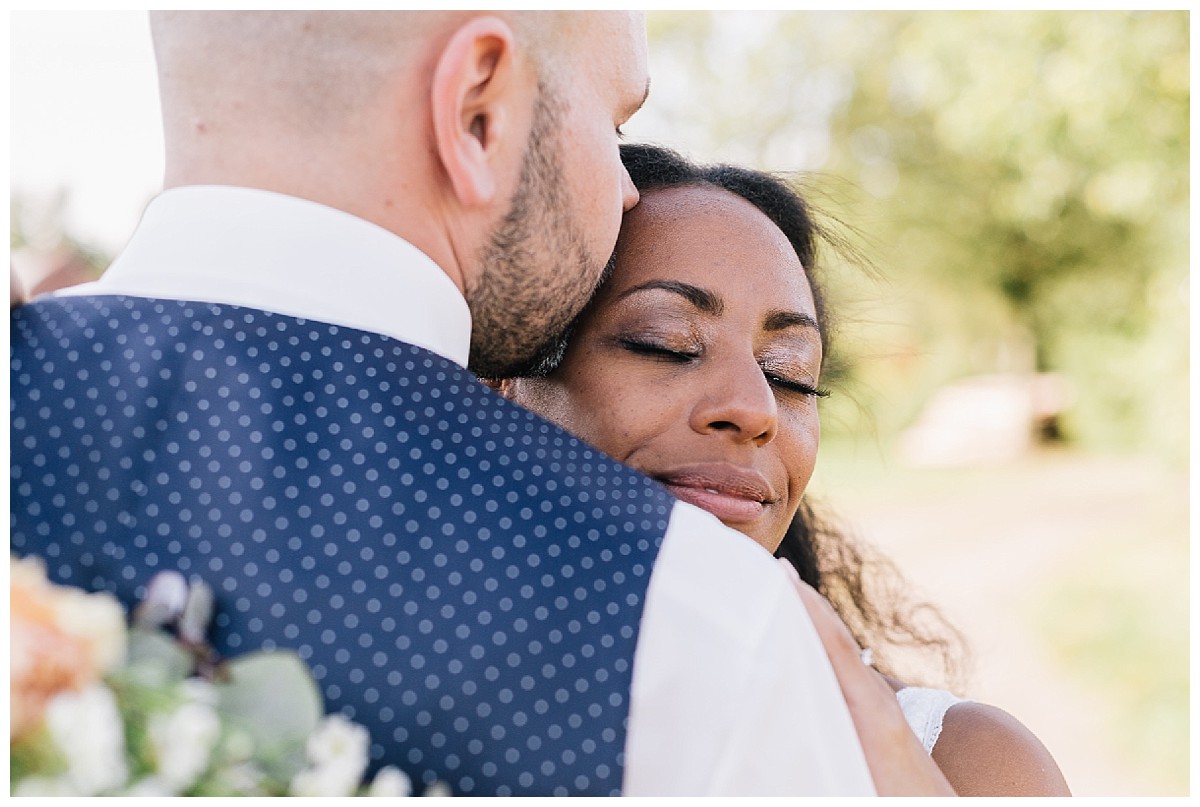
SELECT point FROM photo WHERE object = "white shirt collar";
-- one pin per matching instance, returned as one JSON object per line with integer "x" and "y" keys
{"x": 242, "y": 246}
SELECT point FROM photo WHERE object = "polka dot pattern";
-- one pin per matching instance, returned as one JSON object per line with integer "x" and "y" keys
{"x": 463, "y": 578}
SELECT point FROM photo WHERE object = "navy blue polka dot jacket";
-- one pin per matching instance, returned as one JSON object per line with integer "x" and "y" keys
{"x": 464, "y": 579}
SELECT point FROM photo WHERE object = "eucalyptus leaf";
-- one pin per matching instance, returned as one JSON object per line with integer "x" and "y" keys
{"x": 272, "y": 697}
{"x": 154, "y": 653}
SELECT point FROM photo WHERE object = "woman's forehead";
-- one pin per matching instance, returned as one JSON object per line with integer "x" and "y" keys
{"x": 706, "y": 233}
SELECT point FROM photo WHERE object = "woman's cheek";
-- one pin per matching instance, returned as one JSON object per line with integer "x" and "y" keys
{"x": 802, "y": 449}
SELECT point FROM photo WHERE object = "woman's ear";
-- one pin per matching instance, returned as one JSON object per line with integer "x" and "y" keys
{"x": 475, "y": 88}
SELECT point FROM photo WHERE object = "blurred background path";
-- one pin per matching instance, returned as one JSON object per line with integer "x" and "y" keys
{"x": 1069, "y": 575}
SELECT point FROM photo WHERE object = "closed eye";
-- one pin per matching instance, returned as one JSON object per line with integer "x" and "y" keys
{"x": 658, "y": 351}
{"x": 795, "y": 386}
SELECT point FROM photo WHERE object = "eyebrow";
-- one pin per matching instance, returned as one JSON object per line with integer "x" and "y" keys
{"x": 704, "y": 300}
{"x": 778, "y": 320}
{"x": 709, "y": 303}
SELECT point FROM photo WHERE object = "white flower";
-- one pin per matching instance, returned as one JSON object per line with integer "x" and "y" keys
{"x": 337, "y": 756}
{"x": 438, "y": 788}
{"x": 326, "y": 781}
{"x": 87, "y": 728}
{"x": 242, "y": 779}
{"x": 390, "y": 781}
{"x": 337, "y": 740}
{"x": 166, "y": 596}
{"x": 183, "y": 741}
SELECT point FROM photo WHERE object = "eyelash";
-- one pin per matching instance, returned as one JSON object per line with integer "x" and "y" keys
{"x": 796, "y": 386}
{"x": 681, "y": 357}
{"x": 663, "y": 353}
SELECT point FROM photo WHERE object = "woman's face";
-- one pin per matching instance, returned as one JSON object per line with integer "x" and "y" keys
{"x": 698, "y": 360}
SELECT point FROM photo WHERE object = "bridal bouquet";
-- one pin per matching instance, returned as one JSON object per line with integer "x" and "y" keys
{"x": 101, "y": 708}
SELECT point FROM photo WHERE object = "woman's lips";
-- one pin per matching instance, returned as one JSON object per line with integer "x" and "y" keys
{"x": 731, "y": 509}
{"x": 729, "y": 492}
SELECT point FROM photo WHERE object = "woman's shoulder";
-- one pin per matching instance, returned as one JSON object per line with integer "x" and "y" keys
{"x": 985, "y": 751}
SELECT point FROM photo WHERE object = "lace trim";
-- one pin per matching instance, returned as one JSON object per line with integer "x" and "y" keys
{"x": 925, "y": 709}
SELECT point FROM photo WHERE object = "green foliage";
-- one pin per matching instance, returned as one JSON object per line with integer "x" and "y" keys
{"x": 1020, "y": 177}
{"x": 155, "y": 659}
{"x": 268, "y": 703}
{"x": 261, "y": 710}
{"x": 35, "y": 755}
{"x": 273, "y": 699}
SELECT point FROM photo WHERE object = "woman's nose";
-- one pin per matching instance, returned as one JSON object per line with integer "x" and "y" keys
{"x": 740, "y": 403}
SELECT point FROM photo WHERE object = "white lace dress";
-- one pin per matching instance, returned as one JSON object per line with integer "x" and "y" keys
{"x": 925, "y": 709}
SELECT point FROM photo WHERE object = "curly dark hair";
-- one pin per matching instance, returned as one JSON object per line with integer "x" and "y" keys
{"x": 866, "y": 589}
{"x": 910, "y": 639}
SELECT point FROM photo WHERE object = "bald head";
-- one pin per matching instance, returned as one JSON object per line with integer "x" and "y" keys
{"x": 418, "y": 121}
{"x": 317, "y": 72}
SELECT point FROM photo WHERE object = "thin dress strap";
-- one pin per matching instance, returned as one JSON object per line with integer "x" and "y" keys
{"x": 925, "y": 709}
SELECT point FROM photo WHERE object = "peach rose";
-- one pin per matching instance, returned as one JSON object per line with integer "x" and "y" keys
{"x": 61, "y": 638}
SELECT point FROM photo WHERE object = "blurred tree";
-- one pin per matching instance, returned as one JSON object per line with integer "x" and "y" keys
{"x": 1022, "y": 178}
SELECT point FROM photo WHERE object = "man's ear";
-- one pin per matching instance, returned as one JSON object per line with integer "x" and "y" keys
{"x": 474, "y": 88}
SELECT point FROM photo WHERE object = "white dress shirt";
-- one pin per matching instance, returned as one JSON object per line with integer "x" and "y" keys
{"x": 732, "y": 693}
